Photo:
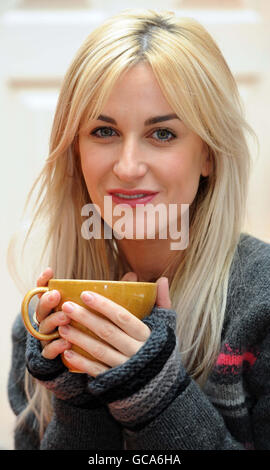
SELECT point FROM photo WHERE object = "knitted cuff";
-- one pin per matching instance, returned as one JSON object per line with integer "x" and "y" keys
{"x": 53, "y": 375}
{"x": 72, "y": 388}
{"x": 141, "y": 388}
{"x": 38, "y": 366}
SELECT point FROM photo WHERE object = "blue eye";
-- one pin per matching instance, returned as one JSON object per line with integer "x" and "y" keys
{"x": 163, "y": 135}
{"x": 104, "y": 132}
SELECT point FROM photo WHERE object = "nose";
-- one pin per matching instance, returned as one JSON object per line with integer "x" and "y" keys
{"x": 130, "y": 164}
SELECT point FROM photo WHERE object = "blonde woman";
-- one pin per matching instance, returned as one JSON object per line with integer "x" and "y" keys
{"x": 149, "y": 112}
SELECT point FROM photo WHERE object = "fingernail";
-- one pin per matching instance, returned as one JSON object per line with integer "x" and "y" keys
{"x": 68, "y": 353}
{"x": 87, "y": 297}
{"x": 52, "y": 295}
{"x": 68, "y": 307}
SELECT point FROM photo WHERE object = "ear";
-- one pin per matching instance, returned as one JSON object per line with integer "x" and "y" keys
{"x": 207, "y": 162}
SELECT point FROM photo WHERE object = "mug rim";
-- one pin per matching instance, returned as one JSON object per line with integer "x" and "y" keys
{"x": 77, "y": 281}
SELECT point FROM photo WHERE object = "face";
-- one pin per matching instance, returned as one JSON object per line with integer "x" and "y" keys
{"x": 130, "y": 147}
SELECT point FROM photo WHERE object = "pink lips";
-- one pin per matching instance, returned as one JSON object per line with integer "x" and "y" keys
{"x": 144, "y": 196}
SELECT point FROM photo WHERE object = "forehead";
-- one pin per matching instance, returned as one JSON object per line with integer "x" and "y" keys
{"x": 134, "y": 97}
{"x": 137, "y": 87}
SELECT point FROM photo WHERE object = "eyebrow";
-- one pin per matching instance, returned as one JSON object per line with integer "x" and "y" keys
{"x": 148, "y": 122}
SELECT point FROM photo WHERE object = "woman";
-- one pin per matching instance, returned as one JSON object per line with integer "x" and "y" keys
{"x": 149, "y": 105}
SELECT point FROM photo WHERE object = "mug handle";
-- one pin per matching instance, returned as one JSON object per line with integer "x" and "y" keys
{"x": 26, "y": 319}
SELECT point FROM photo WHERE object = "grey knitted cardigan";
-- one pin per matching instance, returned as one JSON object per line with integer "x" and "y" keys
{"x": 151, "y": 402}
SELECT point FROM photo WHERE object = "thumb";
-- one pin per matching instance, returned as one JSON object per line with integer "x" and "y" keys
{"x": 130, "y": 276}
{"x": 163, "y": 293}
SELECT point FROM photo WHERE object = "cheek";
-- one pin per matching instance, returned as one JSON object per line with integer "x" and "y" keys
{"x": 184, "y": 176}
{"x": 92, "y": 170}
{"x": 89, "y": 178}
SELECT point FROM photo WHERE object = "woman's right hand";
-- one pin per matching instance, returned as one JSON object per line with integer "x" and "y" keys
{"x": 48, "y": 321}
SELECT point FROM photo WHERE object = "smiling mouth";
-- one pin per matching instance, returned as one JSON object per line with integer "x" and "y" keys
{"x": 132, "y": 199}
{"x": 131, "y": 196}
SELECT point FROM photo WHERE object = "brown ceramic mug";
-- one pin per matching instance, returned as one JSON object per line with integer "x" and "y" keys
{"x": 137, "y": 297}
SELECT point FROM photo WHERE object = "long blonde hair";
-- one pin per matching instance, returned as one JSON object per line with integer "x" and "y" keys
{"x": 200, "y": 88}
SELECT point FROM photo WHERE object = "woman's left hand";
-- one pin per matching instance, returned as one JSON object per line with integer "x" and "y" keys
{"x": 121, "y": 333}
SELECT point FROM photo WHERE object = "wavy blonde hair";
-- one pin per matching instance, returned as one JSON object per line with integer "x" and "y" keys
{"x": 200, "y": 88}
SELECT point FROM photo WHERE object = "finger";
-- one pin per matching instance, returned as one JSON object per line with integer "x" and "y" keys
{"x": 130, "y": 276}
{"x": 54, "y": 348}
{"x": 44, "y": 278}
{"x": 101, "y": 351}
{"x": 104, "y": 329}
{"x": 47, "y": 303}
{"x": 84, "y": 364}
{"x": 117, "y": 314}
{"x": 163, "y": 293}
{"x": 52, "y": 321}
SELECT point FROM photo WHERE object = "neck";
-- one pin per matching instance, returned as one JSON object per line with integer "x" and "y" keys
{"x": 149, "y": 259}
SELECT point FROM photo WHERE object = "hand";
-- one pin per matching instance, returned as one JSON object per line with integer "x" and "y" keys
{"x": 50, "y": 321}
{"x": 123, "y": 333}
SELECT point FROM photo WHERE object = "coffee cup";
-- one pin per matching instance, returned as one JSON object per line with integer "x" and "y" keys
{"x": 137, "y": 297}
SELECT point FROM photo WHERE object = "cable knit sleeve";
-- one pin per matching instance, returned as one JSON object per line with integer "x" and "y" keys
{"x": 79, "y": 421}
{"x": 155, "y": 399}
{"x": 141, "y": 388}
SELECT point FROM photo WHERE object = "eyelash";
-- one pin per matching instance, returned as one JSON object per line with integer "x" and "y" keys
{"x": 94, "y": 132}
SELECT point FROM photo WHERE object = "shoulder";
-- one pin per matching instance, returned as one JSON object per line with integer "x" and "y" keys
{"x": 251, "y": 266}
{"x": 254, "y": 251}
{"x": 248, "y": 299}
